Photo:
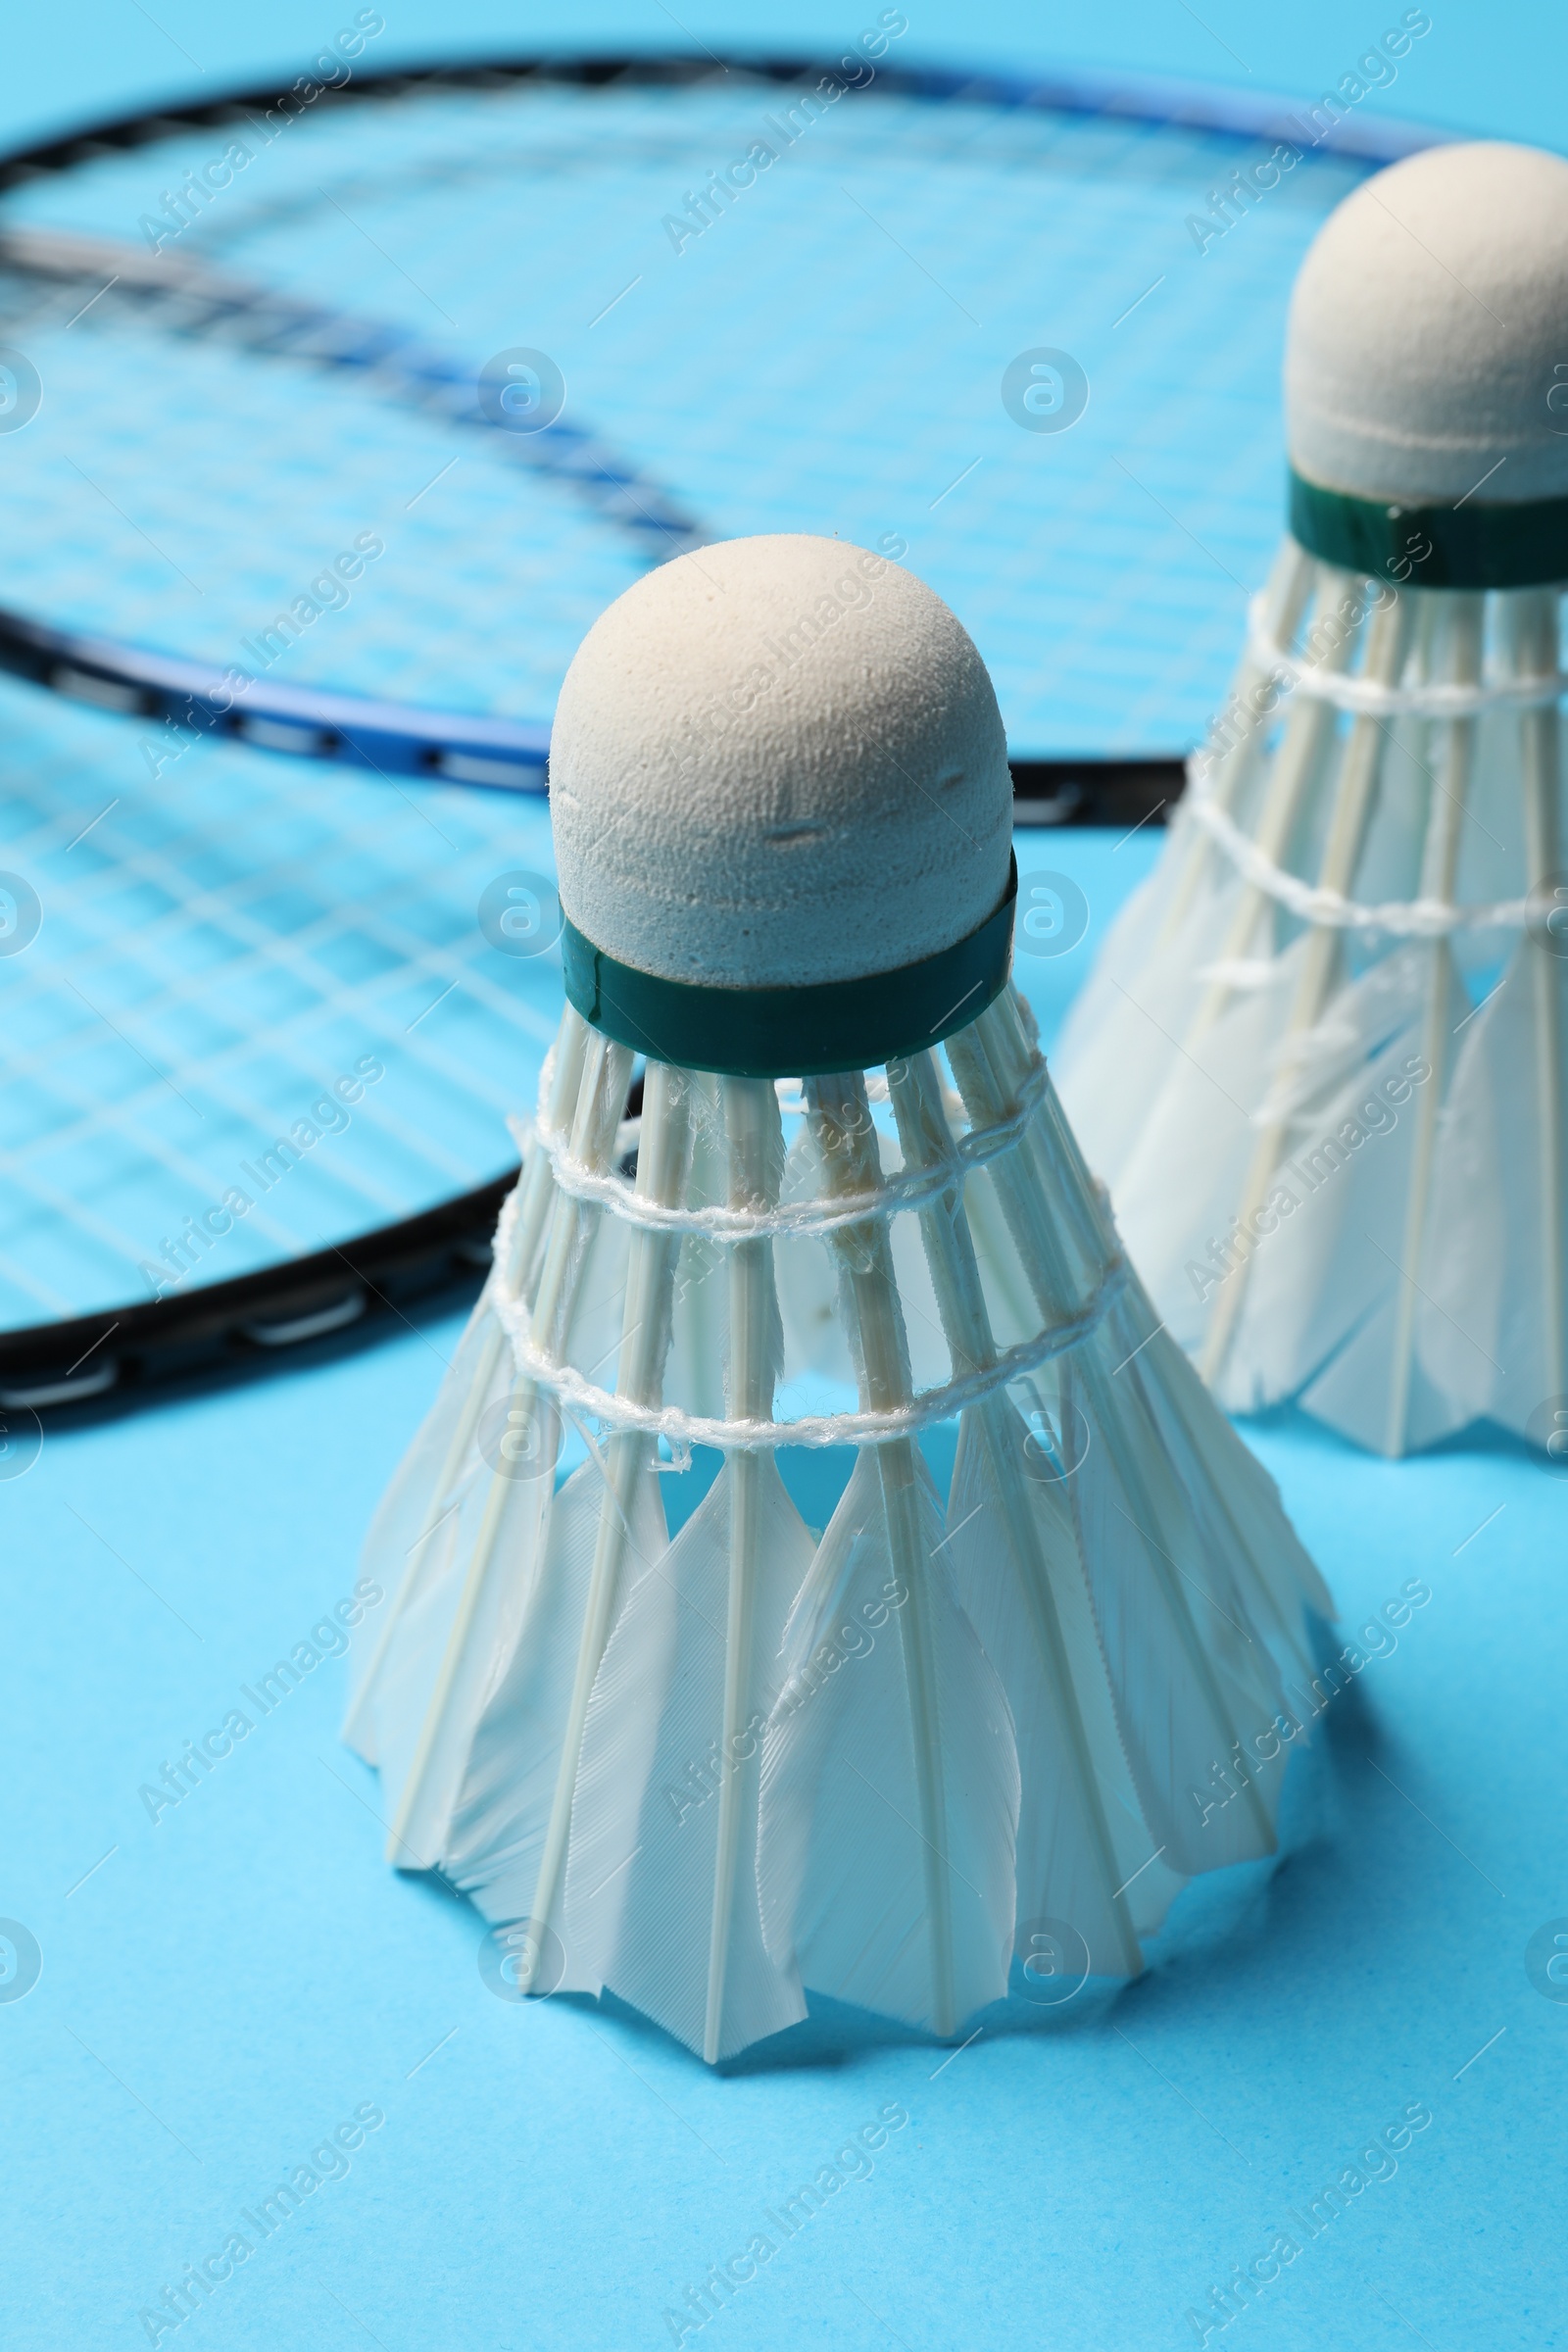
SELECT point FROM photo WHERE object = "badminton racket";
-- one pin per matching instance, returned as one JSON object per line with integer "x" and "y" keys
{"x": 331, "y": 418}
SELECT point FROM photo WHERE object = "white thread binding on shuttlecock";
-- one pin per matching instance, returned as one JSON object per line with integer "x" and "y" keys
{"x": 581, "y": 1397}
{"x": 1399, "y": 918}
{"x": 1366, "y": 697}
{"x": 904, "y": 1188}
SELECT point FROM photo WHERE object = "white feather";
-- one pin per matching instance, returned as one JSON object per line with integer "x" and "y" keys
{"x": 414, "y": 1534}
{"x": 1191, "y": 1675}
{"x": 1175, "y": 1189}
{"x": 1192, "y": 1678}
{"x": 496, "y": 1834}
{"x": 1330, "y": 1293}
{"x": 646, "y": 1856}
{"x": 1236, "y": 1502}
{"x": 1143, "y": 991}
{"x": 450, "y": 1643}
{"x": 1014, "y": 1554}
{"x": 1483, "y": 1333}
{"x": 890, "y": 1779}
{"x": 1344, "y": 1161}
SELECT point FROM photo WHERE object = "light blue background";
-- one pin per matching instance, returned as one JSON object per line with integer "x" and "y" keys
{"x": 230, "y": 1985}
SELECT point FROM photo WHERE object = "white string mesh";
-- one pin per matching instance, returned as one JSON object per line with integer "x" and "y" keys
{"x": 911, "y": 1188}
{"x": 1329, "y": 910}
{"x": 1367, "y": 698}
{"x": 581, "y": 1399}
{"x": 906, "y": 1189}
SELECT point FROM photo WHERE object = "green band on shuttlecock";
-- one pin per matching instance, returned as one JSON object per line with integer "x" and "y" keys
{"x": 1433, "y": 547}
{"x": 793, "y": 1032}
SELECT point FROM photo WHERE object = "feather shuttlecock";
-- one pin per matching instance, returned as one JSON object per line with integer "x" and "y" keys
{"x": 710, "y": 1769}
{"x": 1323, "y": 1062}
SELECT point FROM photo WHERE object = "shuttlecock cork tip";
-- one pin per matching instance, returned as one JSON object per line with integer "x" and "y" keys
{"x": 1426, "y": 353}
{"x": 778, "y": 763}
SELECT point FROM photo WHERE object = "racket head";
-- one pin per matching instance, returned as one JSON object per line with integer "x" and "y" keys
{"x": 329, "y": 510}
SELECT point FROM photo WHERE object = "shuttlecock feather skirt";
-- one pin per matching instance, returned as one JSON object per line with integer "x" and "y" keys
{"x": 710, "y": 1769}
{"x": 1322, "y": 1063}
